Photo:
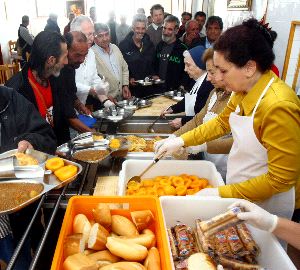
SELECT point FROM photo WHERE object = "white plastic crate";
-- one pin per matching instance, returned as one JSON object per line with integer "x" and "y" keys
{"x": 187, "y": 209}
{"x": 201, "y": 168}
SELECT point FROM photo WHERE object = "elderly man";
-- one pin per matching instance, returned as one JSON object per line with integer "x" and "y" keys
{"x": 191, "y": 37}
{"x": 169, "y": 62}
{"x": 214, "y": 27}
{"x": 138, "y": 52}
{"x": 155, "y": 29}
{"x": 200, "y": 17}
{"x": 38, "y": 81}
{"x": 87, "y": 79}
{"x": 21, "y": 127}
{"x": 110, "y": 63}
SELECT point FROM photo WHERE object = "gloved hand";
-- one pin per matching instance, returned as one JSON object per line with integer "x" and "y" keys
{"x": 256, "y": 216}
{"x": 208, "y": 192}
{"x": 24, "y": 145}
{"x": 101, "y": 88}
{"x": 108, "y": 104}
{"x": 197, "y": 149}
{"x": 169, "y": 146}
{"x": 159, "y": 143}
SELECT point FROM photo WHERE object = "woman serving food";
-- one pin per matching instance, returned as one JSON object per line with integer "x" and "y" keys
{"x": 263, "y": 115}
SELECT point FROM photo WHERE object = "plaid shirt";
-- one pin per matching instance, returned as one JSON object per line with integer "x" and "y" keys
{"x": 4, "y": 226}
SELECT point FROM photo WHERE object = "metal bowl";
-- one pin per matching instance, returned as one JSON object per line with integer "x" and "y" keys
{"x": 144, "y": 103}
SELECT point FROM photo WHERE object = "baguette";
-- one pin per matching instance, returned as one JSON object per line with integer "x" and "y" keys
{"x": 148, "y": 231}
{"x": 101, "y": 214}
{"x": 82, "y": 225}
{"x": 73, "y": 244}
{"x": 79, "y": 261}
{"x": 123, "y": 226}
{"x": 145, "y": 240}
{"x": 124, "y": 266}
{"x": 98, "y": 237}
{"x": 103, "y": 258}
{"x": 126, "y": 250}
{"x": 152, "y": 261}
{"x": 142, "y": 219}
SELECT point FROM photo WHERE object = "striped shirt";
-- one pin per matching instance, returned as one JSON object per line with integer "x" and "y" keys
{"x": 4, "y": 226}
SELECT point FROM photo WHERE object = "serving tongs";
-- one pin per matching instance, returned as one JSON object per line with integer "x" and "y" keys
{"x": 138, "y": 178}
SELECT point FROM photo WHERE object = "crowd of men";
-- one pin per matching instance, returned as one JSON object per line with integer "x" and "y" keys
{"x": 93, "y": 65}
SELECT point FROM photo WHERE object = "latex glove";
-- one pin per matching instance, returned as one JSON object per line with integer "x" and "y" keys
{"x": 24, "y": 145}
{"x": 158, "y": 144}
{"x": 101, "y": 88}
{"x": 108, "y": 104}
{"x": 172, "y": 136}
{"x": 256, "y": 216}
{"x": 169, "y": 146}
{"x": 197, "y": 149}
{"x": 208, "y": 192}
{"x": 176, "y": 123}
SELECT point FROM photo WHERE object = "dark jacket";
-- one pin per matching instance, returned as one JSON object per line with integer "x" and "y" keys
{"x": 202, "y": 95}
{"x": 19, "y": 120}
{"x": 20, "y": 83}
{"x": 139, "y": 62}
{"x": 175, "y": 72}
{"x": 201, "y": 42}
{"x": 52, "y": 26}
{"x": 26, "y": 48}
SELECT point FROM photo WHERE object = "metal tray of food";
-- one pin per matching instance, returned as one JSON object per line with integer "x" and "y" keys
{"x": 134, "y": 104}
{"x": 149, "y": 81}
{"x": 114, "y": 114}
{"x": 175, "y": 95}
{"x": 141, "y": 145}
{"x": 98, "y": 153}
{"x": 18, "y": 193}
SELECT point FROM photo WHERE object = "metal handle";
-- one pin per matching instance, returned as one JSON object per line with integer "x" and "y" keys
{"x": 153, "y": 162}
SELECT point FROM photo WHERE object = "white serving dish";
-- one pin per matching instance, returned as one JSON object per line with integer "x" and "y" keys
{"x": 187, "y": 209}
{"x": 201, "y": 168}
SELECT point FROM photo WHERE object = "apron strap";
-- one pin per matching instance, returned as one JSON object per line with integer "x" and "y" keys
{"x": 261, "y": 96}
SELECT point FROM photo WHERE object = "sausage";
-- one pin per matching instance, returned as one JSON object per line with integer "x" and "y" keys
{"x": 238, "y": 265}
{"x": 220, "y": 219}
{"x": 247, "y": 239}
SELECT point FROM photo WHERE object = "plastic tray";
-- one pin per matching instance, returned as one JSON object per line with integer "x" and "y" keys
{"x": 200, "y": 168}
{"x": 85, "y": 204}
{"x": 187, "y": 209}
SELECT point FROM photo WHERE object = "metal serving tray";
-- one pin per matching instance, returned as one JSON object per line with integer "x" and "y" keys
{"x": 149, "y": 82}
{"x": 49, "y": 181}
{"x": 134, "y": 104}
{"x": 114, "y": 114}
{"x": 175, "y": 95}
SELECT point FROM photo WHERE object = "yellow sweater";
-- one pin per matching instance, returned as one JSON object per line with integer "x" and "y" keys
{"x": 277, "y": 127}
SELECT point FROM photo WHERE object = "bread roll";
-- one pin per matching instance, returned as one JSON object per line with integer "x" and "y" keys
{"x": 148, "y": 231}
{"x": 145, "y": 240}
{"x": 200, "y": 261}
{"x": 123, "y": 226}
{"x": 104, "y": 255}
{"x": 124, "y": 266}
{"x": 152, "y": 261}
{"x": 142, "y": 219}
{"x": 82, "y": 225}
{"x": 101, "y": 214}
{"x": 127, "y": 251}
{"x": 73, "y": 244}
{"x": 97, "y": 237}
{"x": 79, "y": 261}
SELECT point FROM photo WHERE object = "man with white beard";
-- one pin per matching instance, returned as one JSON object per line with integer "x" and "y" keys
{"x": 169, "y": 62}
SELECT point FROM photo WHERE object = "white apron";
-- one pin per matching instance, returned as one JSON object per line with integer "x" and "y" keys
{"x": 190, "y": 98}
{"x": 220, "y": 160}
{"x": 248, "y": 158}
